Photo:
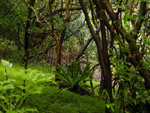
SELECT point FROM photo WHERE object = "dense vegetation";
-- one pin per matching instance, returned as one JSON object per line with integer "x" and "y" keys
{"x": 74, "y": 56}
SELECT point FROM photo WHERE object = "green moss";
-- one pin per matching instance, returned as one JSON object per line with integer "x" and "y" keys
{"x": 50, "y": 101}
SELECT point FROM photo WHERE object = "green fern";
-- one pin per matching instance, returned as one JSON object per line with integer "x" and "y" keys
{"x": 72, "y": 76}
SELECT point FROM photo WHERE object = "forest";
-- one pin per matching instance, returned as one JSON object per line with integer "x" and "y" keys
{"x": 74, "y": 56}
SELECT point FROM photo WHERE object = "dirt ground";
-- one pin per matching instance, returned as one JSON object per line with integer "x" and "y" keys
{"x": 97, "y": 75}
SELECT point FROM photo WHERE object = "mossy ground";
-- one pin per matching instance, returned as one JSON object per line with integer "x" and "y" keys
{"x": 54, "y": 100}
{"x": 51, "y": 99}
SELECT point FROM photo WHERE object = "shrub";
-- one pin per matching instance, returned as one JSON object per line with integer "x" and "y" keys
{"x": 72, "y": 75}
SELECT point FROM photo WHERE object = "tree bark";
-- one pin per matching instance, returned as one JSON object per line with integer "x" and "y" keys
{"x": 59, "y": 40}
{"x": 103, "y": 62}
{"x": 28, "y": 24}
{"x": 134, "y": 55}
{"x": 108, "y": 76}
{"x": 27, "y": 35}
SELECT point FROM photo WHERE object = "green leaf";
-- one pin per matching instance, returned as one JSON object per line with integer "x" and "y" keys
{"x": 21, "y": 87}
{"x": 9, "y": 86}
{"x": 71, "y": 76}
{"x": 2, "y": 97}
{"x": 6, "y": 63}
{"x": 120, "y": 6}
{"x": 31, "y": 109}
{"x": 9, "y": 111}
{"x": 127, "y": 17}
{"x": 108, "y": 105}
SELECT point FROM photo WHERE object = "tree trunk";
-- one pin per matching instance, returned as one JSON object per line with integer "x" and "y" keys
{"x": 58, "y": 55}
{"x": 26, "y": 46}
{"x": 108, "y": 76}
{"x": 104, "y": 63}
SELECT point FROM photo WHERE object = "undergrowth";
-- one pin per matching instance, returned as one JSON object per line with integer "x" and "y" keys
{"x": 41, "y": 95}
